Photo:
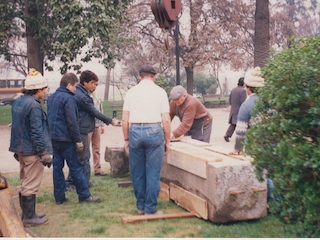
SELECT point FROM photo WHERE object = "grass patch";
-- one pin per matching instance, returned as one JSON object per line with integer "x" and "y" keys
{"x": 5, "y": 114}
{"x": 103, "y": 220}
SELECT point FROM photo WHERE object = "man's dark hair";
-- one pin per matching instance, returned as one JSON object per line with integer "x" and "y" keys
{"x": 252, "y": 89}
{"x": 87, "y": 76}
{"x": 147, "y": 71}
{"x": 241, "y": 81}
{"x": 68, "y": 78}
{"x": 143, "y": 75}
{"x": 30, "y": 92}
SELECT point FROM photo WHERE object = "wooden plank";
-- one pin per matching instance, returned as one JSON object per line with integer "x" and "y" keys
{"x": 189, "y": 201}
{"x": 10, "y": 222}
{"x": 164, "y": 193}
{"x": 125, "y": 184}
{"x": 194, "y": 142}
{"x": 191, "y": 159}
{"x": 226, "y": 152}
{"x": 140, "y": 218}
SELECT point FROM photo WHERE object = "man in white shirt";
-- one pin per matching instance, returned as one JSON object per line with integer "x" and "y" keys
{"x": 146, "y": 129}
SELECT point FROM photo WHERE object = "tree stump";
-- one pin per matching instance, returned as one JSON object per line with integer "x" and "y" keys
{"x": 118, "y": 159}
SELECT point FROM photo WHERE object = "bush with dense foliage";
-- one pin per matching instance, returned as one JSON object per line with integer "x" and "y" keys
{"x": 285, "y": 139}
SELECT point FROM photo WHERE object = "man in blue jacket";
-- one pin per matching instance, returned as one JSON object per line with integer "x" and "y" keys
{"x": 66, "y": 140}
{"x": 87, "y": 115}
{"x": 31, "y": 144}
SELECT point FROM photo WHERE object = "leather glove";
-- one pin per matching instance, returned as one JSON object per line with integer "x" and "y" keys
{"x": 80, "y": 146}
{"x": 45, "y": 159}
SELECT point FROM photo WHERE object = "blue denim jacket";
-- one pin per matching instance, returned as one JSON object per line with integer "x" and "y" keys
{"x": 87, "y": 111}
{"x": 29, "y": 130}
{"x": 63, "y": 116}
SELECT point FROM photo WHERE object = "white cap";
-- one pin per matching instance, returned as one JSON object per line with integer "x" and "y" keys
{"x": 253, "y": 78}
{"x": 35, "y": 80}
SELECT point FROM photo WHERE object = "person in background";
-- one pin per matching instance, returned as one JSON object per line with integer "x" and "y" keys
{"x": 87, "y": 115}
{"x": 31, "y": 144}
{"x": 237, "y": 97}
{"x": 146, "y": 129}
{"x": 196, "y": 121}
{"x": 95, "y": 136}
{"x": 252, "y": 81}
{"x": 66, "y": 140}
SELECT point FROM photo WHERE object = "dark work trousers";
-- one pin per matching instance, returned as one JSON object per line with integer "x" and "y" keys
{"x": 230, "y": 130}
{"x": 84, "y": 159}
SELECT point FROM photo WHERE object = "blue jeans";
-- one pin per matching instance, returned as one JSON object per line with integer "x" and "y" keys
{"x": 68, "y": 151}
{"x": 146, "y": 152}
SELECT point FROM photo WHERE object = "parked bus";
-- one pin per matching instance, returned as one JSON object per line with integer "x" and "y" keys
{"x": 10, "y": 89}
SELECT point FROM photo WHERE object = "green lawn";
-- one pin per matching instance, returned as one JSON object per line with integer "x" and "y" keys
{"x": 103, "y": 220}
{"x": 5, "y": 113}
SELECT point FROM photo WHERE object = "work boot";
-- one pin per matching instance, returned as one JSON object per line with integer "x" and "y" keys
{"x": 91, "y": 200}
{"x": 30, "y": 217}
{"x": 40, "y": 215}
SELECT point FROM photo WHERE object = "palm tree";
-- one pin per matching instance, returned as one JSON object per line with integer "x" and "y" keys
{"x": 261, "y": 33}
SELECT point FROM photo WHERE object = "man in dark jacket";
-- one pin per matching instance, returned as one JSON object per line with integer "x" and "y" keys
{"x": 31, "y": 144}
{"x": 237, "y": 97}
{"x": 66, "y": 140}
{"x": 87, "y": 115}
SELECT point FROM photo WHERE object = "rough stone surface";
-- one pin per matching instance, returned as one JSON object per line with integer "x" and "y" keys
{"x": 231, "y": 188}
{"x": 119, "y": 161}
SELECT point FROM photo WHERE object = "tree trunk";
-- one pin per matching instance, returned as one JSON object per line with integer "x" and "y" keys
{"x": 189, "y": 72}
{"x": 291, "y": 15}
{"x": 34, "y": 54}
{"x": 107, "y": 85}
{"x": 261, "y": 33}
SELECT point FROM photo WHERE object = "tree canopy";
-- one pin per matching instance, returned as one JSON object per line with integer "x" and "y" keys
{"x": 61, "y": 29}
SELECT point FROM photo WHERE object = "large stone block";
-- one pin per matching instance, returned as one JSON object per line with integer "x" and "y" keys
{"x": 229, "y": 185}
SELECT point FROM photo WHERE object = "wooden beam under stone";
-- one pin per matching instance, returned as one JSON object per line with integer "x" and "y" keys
{"x": 164, "y": 193}
{"x": 189, "y": 201}
{"x": 140, "y": 218}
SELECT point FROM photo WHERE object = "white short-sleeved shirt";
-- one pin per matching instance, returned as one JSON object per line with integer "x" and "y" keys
{"x": 146, "y": 102}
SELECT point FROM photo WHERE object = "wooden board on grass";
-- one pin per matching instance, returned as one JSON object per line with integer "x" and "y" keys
{"x": 10, "y": 222}
{"x": 125, "y": 184}
{"x": 189, "y": 201}
{"x": 140, "y": 218}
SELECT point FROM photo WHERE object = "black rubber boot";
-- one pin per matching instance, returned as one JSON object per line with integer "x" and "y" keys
{"x": 28, "y": 204}
{"x": 40, "y": 215}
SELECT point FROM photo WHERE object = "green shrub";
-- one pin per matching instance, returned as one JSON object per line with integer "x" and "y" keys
{"x": 285, "y": 138}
